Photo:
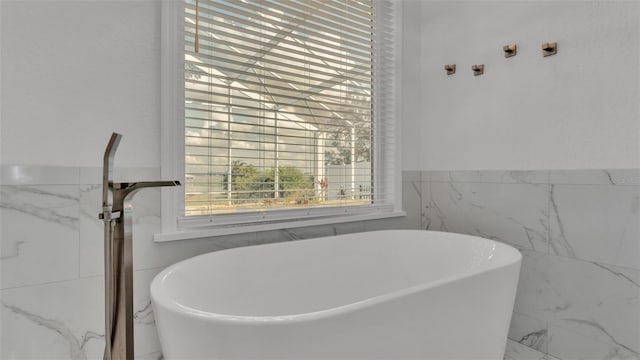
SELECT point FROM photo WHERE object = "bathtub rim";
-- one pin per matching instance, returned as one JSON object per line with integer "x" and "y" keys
{"x": 168, "y": 304}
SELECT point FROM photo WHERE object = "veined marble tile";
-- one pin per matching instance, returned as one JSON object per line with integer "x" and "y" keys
{"x": 63, "y": 320}
{"x": 492, "y": 176}
{"x": 517, "y": 351}
{"x": 550, "y": 357}
{"x": 38, "y": 175}
{"x": 595, "y": 300}
{"x": 595, "y": 177}
{"x": 386, "y": 224}
{"x": 516, "y": 214}
{"x": 157, "y": 355}
{"x": 274, "y": 236}
{"x": 529, "y": 331}
{"x": 38, "y": 234}
{"x": 144, "y": 325}
{"x": 597, "y": 223}
{"x": 66, "y": 319}
{"x": 568, "y": 344}
{"x": 412, "y": 194}
{"x": 425, "y": 201}
{"x": 91, "y": 231}
{"x": 408, "y": 176}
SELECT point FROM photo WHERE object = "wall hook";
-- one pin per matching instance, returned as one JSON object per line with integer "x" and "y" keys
{"x": 510, "y": 50}
{"x": 450, "y": 68}
{"x": 549, "y": 49}
{"x": 478, "y": 69}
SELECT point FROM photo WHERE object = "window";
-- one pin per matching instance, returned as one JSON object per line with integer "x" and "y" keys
{"x": 288, "y": 109}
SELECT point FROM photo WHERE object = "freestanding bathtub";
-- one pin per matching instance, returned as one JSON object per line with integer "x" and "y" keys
{"x": 398, "y": 294}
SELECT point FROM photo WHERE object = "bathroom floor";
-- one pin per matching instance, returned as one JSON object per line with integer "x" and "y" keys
{"x": 517, "y": 351}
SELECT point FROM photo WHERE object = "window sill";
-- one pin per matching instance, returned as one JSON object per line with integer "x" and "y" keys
{"x": 199, "y": 233}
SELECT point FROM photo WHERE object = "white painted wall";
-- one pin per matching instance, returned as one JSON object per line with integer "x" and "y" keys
{"x": 74, "y": 71}
{"x": 577, "y": 109}
{"x": 411, "y": 124}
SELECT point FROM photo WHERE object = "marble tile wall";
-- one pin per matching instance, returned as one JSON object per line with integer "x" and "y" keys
{"x": 578, "y": 231}
{"x": 51, "y": 258}
{"x": 579, "y": 234}
{"x": 516, "y": 351}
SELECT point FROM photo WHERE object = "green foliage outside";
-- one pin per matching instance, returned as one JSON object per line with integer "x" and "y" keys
{"x": 249, "y": 182}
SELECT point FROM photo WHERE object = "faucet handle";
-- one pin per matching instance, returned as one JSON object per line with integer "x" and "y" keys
{"x": 112, "y": 215}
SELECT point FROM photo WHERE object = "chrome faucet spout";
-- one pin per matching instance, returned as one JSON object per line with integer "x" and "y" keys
{"x": 157, "y": 183}
{"x": 144, "y": 184}
{"x": 125, "y": 189}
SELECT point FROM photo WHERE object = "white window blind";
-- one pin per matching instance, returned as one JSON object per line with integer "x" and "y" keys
{"x": 288, "y": 105}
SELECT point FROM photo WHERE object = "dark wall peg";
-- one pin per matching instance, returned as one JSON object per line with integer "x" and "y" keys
{"x": 450, "y": 68}
{"x": 478, "y": 69}
{"x": 549, "y": 48}
{"x": 510, "y": 50}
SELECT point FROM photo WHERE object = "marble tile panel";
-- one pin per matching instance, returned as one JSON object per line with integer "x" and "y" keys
{"x": 144, "y": 326}
{"x": 410, "y": 176}
{"x": 567, "y": 344}
{"x": 425, "y": 200}
{"x": 157, "y": 355}
{"x": 38, "y": 175}
{"x": 274, "y": 236}
{"x": 412, "y": 204}
{"x": 65, "y": 319}
{"x": 517, "y": 351}
{"x": 491, "y": 176}
{"x": 516, "y": 214}
{"x": 387, "y": 224}
{"x": 529, "y": 331}
{"x": 91, "y": 231}
{"x": 550, "y": 357}
{"x": 619, "y": 177}
{"x": 38, "y": 234}
{"x": 596, "y": 223}
{"x": 62, "y": 320}
{"x": 592, "y": 299}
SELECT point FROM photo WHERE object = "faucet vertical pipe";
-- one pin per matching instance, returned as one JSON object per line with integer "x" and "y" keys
{"x": 121, "y": 278}
{"x": 118, "y": 256}
{"x": 109, "y": 227}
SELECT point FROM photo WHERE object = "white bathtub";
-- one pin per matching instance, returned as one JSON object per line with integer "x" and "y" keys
{"x": 399, "y": 294}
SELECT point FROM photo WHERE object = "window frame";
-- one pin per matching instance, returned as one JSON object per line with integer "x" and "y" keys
{"x": 175, "y": 226}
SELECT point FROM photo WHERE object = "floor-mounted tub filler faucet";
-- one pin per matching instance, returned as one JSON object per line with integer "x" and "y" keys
{"x": 118, "y": 261}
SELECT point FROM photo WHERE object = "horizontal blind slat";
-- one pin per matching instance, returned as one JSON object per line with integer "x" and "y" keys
{"x": 347, "y": 35}
{"x": 336, "y": 100}
{"x": 257, "y": 69}
{"x": 283, "y": 85}
{"x": 341, "y": 56}
{"x": 290, "y": 12}
{"x": 341, "y": 107}
{"x": 299, "y": 115}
